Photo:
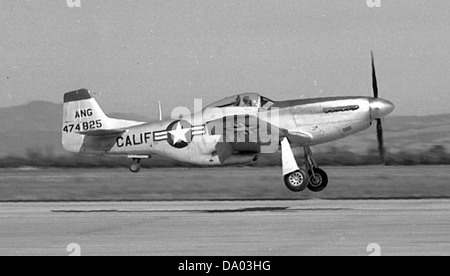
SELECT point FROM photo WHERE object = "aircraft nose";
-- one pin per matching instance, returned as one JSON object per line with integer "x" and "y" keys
{"x": 380, "y": 108}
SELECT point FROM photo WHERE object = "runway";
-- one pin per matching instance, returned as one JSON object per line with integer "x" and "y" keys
{"x": 302, "y": 227}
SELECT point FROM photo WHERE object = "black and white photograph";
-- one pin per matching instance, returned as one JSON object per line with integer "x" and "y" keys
{"x": 224, "y": 133}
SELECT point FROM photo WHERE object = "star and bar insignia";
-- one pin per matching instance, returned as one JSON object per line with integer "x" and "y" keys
{"x": 179, "y": 133}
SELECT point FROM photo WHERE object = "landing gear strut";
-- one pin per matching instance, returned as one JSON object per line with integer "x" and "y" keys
{"x": 136, "y": 166}
{"x": 297, "y": 179}
{"x": 318, "y": 178}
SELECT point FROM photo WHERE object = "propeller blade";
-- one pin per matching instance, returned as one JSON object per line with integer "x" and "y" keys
{"x": 381, "y": 149}
{"x": 374, "y": 78}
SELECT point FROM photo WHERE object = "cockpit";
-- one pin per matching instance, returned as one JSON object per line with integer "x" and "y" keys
{"x": 244, "y": 100}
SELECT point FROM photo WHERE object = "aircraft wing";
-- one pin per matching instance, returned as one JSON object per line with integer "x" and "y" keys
{"x": 296, "y": 137}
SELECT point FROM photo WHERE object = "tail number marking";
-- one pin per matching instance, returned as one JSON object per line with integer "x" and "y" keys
{"x": 84, "y": 113}
{"x": 84, "y": 126}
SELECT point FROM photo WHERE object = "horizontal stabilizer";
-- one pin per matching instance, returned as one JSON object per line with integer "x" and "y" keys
{"x": 103, "y": 132}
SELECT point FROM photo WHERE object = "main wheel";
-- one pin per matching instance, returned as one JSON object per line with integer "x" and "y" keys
{"x": 296, "y": 181}
{"x": 319, "y": 182}
{"x": 135, "y": 167}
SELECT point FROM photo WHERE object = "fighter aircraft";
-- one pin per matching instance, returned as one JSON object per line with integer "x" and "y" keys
{"x": 232, "y": 131}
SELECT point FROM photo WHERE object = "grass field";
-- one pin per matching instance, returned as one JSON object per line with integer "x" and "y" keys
{"x": 218, "y": 184}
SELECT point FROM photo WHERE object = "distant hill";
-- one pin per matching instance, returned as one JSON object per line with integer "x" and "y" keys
{"x": 407, "y": 133}
{"x": 36, "y": 127}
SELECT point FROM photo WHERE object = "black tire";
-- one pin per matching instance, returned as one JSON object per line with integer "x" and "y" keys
{"x": 296, "y": 181}
{"x": 320, "y": 182}
{"x": 135, "y": 168}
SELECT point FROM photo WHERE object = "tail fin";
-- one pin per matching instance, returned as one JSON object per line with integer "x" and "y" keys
{"x": 84, "y": 117}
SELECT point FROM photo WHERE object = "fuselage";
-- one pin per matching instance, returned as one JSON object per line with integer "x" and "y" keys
{"x": 192, "y": 140}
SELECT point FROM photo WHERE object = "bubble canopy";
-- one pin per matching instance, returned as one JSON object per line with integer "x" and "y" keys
{"x": 243, "y": 100}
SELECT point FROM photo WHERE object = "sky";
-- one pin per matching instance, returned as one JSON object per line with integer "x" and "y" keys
{"x": 133, "y": 53}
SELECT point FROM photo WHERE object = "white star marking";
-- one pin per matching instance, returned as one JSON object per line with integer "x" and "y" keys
{"x": 179, "y": 134}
